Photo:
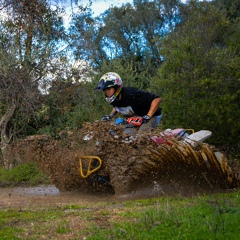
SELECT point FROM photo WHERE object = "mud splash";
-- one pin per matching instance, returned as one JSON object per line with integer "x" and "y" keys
{"x": 128, "y": 166}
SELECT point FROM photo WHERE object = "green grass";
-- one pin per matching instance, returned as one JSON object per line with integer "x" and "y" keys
{"x": 203, "y": 217}
{"x": 27, "y": 174}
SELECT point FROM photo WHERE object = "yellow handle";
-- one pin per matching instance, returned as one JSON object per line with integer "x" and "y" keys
{"x": 190, "y": 130}
{"x": 89, "y": 169}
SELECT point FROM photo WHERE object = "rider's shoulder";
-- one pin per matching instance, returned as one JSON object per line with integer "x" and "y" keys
{"x": 130, "y": 90}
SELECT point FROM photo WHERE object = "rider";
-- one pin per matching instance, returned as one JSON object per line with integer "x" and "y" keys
{"x": 130, "y": 101}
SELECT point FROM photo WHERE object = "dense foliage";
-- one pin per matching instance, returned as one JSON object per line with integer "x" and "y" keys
{"x": 188, "y": 53}
{"x": 200, "y": 76}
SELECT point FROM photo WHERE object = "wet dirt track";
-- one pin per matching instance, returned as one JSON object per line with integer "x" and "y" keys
{"x": 44, "y": 196}
{"x": 50, "y": 196}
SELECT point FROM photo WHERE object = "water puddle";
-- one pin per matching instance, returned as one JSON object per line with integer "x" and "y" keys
{"x": 39, "y": 190}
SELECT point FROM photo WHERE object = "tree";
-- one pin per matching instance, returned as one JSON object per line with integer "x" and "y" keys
{"x": 84, "y": 38}
{"x": 231, "y": 7}
{"x": 130, "y": 33}
{"x": 200, "y": 76}
{"x": 30, "y": 36}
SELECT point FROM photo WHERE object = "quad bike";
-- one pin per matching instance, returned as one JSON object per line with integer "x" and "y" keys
{"x": 177, "y": 156}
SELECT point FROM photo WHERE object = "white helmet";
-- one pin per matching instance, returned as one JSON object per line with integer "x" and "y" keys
{"x": 110, "y": 79}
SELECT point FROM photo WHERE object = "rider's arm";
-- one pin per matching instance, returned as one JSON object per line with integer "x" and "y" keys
{"x": 113, "y": 112}
{"x": 154, "y": 106}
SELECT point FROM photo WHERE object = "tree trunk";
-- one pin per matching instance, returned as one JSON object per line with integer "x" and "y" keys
{"x": 6, "y": 135}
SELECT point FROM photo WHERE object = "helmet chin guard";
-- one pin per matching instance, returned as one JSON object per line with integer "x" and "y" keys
{"x": 114, "y": 96}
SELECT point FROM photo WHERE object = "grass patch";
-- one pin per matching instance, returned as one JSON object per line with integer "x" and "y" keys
{"x": 26, "y": 174}
{"x": 205, "y": 217}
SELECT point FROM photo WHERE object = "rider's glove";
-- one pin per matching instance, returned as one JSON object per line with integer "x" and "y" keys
{"x": 145, "y": 119}
{"x": 106, "y": 118}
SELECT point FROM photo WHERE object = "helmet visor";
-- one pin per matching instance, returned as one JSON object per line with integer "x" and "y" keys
{"x": 104, "y": 84}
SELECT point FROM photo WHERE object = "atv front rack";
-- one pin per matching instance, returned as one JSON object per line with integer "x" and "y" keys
{"x": 94, "y": 163}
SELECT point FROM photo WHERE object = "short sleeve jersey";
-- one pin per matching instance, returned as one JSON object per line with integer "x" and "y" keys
{"x": 135, "y": 102}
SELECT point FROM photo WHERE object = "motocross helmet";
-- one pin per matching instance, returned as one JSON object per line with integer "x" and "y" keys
{"x": 110, "y": 79}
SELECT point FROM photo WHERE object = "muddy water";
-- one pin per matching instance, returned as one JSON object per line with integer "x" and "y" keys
{"x": 42, "y": 196}
{"x": 45, "y": 196}
{"x": 49, "y": 196}
{"x": 40, "y": 190}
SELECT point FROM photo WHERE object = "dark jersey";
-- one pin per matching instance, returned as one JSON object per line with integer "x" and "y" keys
{"x": 135, "y": 102}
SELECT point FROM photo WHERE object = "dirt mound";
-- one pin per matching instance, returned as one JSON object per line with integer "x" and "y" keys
{"x": 129, "y": 162}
